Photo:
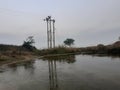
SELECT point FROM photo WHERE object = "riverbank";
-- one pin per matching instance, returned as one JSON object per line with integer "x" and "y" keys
{"x": 17, "y": 58}
{"x": 111, "y": 49}
{"x": 11, "y": 54}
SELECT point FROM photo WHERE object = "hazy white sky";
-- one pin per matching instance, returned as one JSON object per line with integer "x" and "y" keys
{"x": 89, "y": 22}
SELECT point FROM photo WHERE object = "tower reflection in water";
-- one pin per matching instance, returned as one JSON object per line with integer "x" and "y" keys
{"x": 53, "y": 75}
{"x": 52, "y": 61}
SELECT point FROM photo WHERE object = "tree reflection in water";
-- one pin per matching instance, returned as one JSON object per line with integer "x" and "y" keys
{"x": 53, "y": 80}
{"x": 62, "y": 58}
{"x": 27, "y": 65}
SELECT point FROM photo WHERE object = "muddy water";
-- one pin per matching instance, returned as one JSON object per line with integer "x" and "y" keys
{"x": 80, "y": 72}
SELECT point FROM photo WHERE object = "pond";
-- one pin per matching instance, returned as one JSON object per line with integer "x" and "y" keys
{"x": 74, "y": 72}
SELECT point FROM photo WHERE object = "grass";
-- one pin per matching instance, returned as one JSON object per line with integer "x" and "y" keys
{"x": 57, "y": 50}
{"x": 13, "y": 53}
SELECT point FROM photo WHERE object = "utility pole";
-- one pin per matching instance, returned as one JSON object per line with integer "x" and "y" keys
{"x": 47, "y": 19}
{"x": 50, "y": 32}
{"x": 53, "y": 33}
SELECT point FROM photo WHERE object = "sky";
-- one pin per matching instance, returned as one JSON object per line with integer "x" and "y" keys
{"x": 88, "y": 22}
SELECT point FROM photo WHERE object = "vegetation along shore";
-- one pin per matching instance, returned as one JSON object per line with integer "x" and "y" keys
{"x": 11, "y": 53}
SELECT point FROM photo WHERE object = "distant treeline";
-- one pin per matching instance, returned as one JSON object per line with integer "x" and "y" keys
{"x": 113, "y": 49}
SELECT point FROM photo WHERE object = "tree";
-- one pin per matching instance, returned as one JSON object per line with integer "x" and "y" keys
{"x": 69, "y": 41}
{"x": 101, "y": 46}
{"x": 28, "y": 43}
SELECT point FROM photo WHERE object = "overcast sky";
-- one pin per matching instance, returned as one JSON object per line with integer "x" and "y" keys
{"x": 88, "y": 22}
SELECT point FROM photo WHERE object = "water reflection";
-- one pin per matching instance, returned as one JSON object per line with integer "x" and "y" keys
{"x": 53, "y": 75}
{"x": 27, "y": 65}
{"x": 104, "y": 55}
{"x": 65, "y": 58}
{"x": 53, "y": 79}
